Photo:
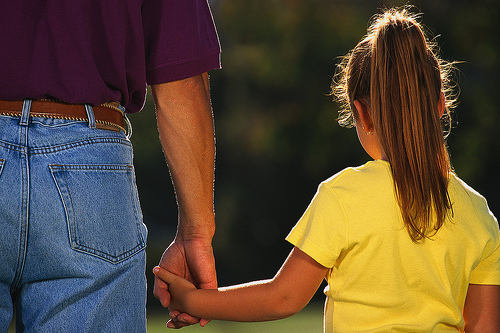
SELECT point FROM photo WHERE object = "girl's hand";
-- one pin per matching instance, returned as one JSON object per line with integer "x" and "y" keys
{"x": 178, "y": 287}
{"x": 192, "y": 259}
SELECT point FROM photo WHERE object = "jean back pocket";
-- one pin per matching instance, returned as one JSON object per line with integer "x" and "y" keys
{"x": 102, "y": 209}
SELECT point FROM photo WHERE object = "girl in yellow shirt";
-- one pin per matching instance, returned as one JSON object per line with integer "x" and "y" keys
{"x": 403, "y": 243}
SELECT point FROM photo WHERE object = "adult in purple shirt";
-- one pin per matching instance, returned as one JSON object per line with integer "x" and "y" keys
{"x": 72, "y": 241}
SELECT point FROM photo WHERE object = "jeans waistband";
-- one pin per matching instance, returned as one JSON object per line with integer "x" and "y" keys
{"x": 107, "y": 116}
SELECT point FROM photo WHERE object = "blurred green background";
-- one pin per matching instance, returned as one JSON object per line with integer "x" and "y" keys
{"x": 277, "y": 137}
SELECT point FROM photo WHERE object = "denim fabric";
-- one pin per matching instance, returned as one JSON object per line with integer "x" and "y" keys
{"x": 72, "y": 241}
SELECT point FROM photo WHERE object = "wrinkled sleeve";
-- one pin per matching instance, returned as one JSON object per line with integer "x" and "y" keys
{"x": 322, "y": 231}
{"x": 180, "y": 39}
{"x": 488, "y": 269}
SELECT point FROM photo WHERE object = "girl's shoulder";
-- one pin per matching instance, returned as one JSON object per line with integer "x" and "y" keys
{"x": 373, "y": 173}
{"x": 467, "y": 199}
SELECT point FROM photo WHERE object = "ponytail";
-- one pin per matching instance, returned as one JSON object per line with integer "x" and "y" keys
{"x": 395, "y": 71}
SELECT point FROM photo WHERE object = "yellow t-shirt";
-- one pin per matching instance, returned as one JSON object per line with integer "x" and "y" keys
{"x": 380, "y": 280}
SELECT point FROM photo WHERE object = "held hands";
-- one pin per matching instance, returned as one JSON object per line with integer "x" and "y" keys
{"x": 193, "y": 260}
{"x": 178, "y": 287}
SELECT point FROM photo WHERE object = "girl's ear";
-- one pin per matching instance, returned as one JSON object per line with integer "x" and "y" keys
{"x": 441, "y": 104}
{"x": 364, "y": 116}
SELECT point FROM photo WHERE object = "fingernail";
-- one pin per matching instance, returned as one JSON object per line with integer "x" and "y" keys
{"x": 156, "y": 269}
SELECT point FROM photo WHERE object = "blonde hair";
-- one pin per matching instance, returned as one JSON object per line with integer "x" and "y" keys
{"x": 396, "y": 72}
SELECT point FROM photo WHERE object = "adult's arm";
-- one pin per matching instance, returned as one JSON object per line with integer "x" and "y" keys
{"x": 482, "y": 309}
{"x": 185, "y": 125}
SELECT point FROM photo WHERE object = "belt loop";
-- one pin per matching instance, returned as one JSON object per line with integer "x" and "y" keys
{"x": 90, "y": 115}
{"x": 25, "y": 114}
{"x": 128, "y": 130}
{"x": 128, "y": 125}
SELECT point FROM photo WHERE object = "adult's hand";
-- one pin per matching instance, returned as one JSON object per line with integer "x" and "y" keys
{"x": 192, "y": 259}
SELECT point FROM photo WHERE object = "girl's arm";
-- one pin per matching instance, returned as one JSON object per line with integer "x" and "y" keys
{"x": 482, "y": 309}
{"x": 284, "y": 295}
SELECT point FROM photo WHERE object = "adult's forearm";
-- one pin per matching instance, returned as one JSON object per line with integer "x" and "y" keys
{"x": 185, "y": 125}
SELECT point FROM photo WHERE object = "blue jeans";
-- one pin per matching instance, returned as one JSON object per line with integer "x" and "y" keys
{"x": 72, "y": 241}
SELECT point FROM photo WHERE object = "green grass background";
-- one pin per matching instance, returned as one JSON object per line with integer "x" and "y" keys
{"x": 309, "y": 320}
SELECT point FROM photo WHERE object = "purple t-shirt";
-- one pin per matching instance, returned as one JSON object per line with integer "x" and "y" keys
{"x": 96, "y": 51}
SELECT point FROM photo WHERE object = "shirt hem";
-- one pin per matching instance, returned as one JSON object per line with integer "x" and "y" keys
{"x": 184, "y": 69}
